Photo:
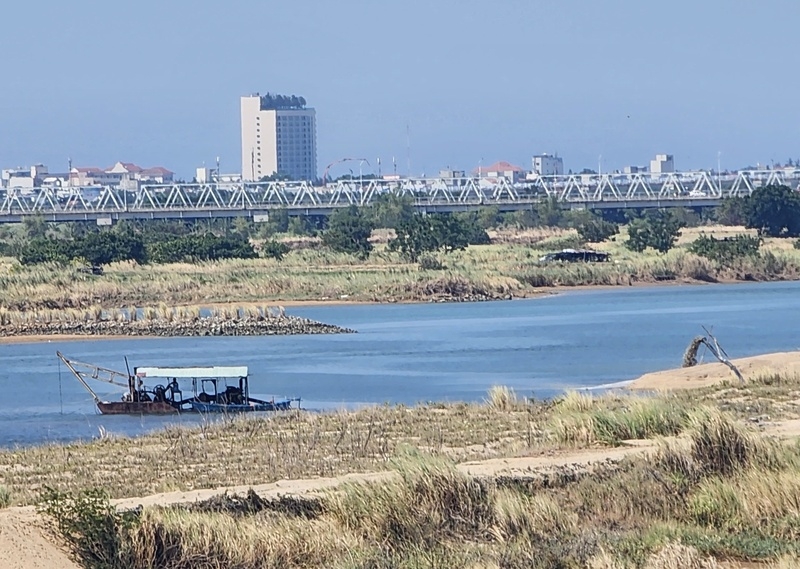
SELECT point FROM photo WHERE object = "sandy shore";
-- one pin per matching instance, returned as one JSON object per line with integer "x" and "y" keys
{"x": 47, "y": 338}
{"x": 703, "y": 375}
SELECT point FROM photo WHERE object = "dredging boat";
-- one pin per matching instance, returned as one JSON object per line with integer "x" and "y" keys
{"x": 216, "y": 389}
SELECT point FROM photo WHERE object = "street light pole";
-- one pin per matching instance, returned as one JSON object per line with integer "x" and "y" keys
{"x": 719, "y": 169}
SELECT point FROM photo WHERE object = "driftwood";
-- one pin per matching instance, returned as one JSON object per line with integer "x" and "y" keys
{"x": 710, "y": 342}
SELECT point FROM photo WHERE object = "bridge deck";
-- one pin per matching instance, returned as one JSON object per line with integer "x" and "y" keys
{"x": 197, "y": 201}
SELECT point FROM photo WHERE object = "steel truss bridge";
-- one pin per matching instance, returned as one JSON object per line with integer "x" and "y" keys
{"x": 197, "y": 201}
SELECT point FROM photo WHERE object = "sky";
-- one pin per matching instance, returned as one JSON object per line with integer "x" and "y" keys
{"x": 434, "y": 84}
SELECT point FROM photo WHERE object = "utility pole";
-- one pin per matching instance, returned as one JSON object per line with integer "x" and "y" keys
{"x": 408, "y": 149}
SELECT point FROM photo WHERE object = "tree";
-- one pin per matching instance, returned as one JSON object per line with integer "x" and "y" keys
{"x": 300, "y": 225}
{"x": 349, "y": 231}
{"x": 420, "y": 234}
{"x": 726, "y": 250}
{"x": 242, "y": 227}
{"x": 731, "y": 212}
{"x": 389, "y": 210}
{"x": 96, "y": 247}
{"x": 595, "y": 229}
{"x": 450, "y": 232}
{"x": 472, "y": 227}
{"x": 103, "y": 247}
{"x": 774, "y": 211}
{"x": 415, "y": 236}
{"x": 34, "y": 226}
{"x": 550, "y": 213}
{"x": 489, "y": 217}
{"x": 657, "y": 229}
{"x": 275, "y": 250}
{"x": 200, "y": 247}
{"x": 279, "y": 220}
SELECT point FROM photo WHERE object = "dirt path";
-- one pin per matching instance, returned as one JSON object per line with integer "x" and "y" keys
{"x": 25, "y": 544}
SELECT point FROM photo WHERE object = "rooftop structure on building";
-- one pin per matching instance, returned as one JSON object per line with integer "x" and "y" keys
{"x": 501, "y": 169}
{"x": 126, "y": 175}
{"x": 547, "y": 165}
{"x": 279, "y": 136}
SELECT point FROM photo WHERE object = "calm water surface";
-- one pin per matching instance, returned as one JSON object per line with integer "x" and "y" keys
{"x": 412, "y": 353}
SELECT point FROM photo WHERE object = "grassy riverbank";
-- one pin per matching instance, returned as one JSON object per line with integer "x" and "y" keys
{"x": 501, "y": 270}
{"x": 508, "y": 483}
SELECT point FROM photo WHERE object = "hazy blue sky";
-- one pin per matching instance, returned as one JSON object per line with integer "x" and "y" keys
{"x": 158, "y": 82}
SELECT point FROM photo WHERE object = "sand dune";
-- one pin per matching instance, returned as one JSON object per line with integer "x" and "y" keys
{"x": 703, "y": 375}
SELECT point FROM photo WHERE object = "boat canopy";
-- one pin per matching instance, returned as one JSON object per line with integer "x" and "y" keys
{"x": 191, "y": 372}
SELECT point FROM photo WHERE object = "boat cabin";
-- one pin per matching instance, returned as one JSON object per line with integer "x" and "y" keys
{"x": 216, "y": 385}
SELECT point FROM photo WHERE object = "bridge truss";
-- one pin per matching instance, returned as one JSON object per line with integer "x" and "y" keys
{"x": 188, "y": 201}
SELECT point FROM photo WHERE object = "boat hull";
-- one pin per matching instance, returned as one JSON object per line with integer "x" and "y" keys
{"x": 136, "y": 408}
{"x": 201, "y": 407}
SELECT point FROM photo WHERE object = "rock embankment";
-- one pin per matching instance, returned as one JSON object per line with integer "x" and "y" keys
{"x": 209, "y": 326}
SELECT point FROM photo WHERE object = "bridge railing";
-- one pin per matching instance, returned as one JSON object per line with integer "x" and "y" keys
{"x": 425, "y": 192}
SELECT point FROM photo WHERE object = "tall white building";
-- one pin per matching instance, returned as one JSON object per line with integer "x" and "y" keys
{"x": 279, "y": 136}
{"x": 548, "y": 165}
{"x": 662, "y": 164}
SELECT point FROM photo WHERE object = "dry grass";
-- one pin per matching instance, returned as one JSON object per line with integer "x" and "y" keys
{"x": 264, "y": 449}
{"x": 501, "y": 398}
{"x": 488, "y": 271}
{"x": 719, "y": 490}
{"x": 258, "y": 450}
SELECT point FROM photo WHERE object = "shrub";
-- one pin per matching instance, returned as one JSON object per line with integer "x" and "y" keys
{"x": 725, "y": 250}
{"x": 349, "y": 231}
{"x": 91, "y": 526}
{"x": 206, "y": 247}
{"x": 430, "y": 263}
{"x": 275, "y": 250}
{"x": 596, "y": 230}
{"x": 774, "y": 211}
{"x": 419, "y": 234}
{"x": 97, "y": 248}
{"x": 657, "y": 229}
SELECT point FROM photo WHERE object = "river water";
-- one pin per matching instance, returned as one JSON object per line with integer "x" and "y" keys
{"x": 414, "y": 353}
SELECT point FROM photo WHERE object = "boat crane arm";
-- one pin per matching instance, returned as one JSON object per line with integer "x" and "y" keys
{"x": 83, "y": 371}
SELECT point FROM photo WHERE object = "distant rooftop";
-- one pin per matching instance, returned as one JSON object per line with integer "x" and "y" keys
{"x": 501, "y": 166}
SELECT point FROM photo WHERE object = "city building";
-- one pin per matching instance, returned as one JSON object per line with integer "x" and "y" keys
{"x": 634, "y": 169}
{"x": 156, "y": 175}
{"x": 501, "y": 170}
{"x": 548, "y": 165}
{"x": 125, "y": 175}
{"x": 279, "y": 136}
{"x": 662, "y": 164}
{"x": 28, "y": 178}
{"x": 449, "y": 174}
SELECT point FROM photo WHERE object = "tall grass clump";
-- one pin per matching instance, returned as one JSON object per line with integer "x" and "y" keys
{"x": 720, "y": 446}
{"x": 575, "y": 402}
{"x": 178, "y": 538}
{"x": 5, "y": 496}
{"x": 636, "y": 419}
{"x": 431, "y": 502}
{"x": 501, "y": 398}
